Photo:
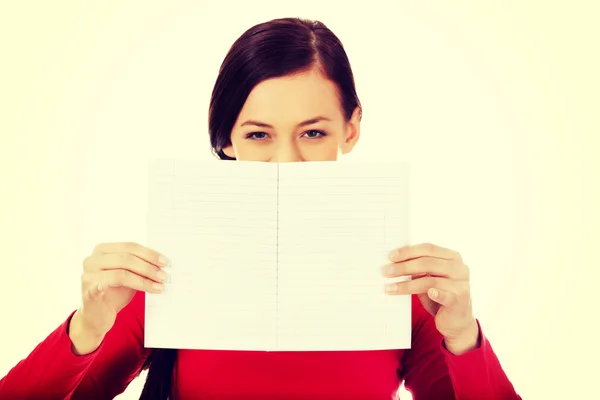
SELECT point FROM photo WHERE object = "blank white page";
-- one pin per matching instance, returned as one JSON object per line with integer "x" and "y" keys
{"x": 337, "y": 224}
{"x": 217, "y": 221}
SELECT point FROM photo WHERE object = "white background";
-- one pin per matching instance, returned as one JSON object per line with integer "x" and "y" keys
{"x": 495, "y": 104}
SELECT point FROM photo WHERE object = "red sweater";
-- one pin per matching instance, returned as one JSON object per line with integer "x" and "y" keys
{"x": 429, "y": 371}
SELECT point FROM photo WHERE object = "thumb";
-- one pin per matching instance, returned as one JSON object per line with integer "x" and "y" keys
{"x": 440, "y": 296}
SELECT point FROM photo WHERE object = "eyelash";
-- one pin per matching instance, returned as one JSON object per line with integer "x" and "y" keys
{"x": 252, "y": 135}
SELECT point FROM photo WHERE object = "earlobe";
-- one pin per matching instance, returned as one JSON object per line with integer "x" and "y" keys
{"x": 229, "y": 151}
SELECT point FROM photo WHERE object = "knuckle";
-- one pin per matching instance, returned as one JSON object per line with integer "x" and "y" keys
{"x": 136, "y": 264}
{"x": 428, "y": 263}
{"x": 87, "y": 280}
{"x": 150, "y": 270}
{"x": 467, "y": 272}
{"x": 126, "y": 259}
{"x": 121, "y": 276}
{"x": 115, "y": 277}
{"x": 87, "y": 262}
{"x": 131, "y": 246}
{"x": 464, "y": 293}
{"x": 98, "y": 248}
{"x": 428, "y": 247}
{"x": 410, "y": 266}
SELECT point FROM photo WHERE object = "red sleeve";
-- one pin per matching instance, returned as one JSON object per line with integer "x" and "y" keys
{"x": 52, "y": 370}
{"x": 432, "y": 372}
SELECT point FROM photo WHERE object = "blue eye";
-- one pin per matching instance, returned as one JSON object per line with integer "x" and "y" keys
{"x": 256, "y": 135}
{"x": 315, "y": 134}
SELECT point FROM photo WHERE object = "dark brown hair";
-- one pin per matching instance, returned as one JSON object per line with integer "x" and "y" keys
{"x": 271, "y": 49}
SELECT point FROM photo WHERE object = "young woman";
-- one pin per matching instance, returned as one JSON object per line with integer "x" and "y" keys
{"x": 285, "y": 92}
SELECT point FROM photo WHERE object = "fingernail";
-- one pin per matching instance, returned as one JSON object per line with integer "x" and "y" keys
{"x": 163, "y": 260}
{"x": 158, "y": 286}
{"x": 161, "y": 275}
{"x": 390, "y": 288}
{"x": 388, "y": 270}
{"x": 393, "y": 255}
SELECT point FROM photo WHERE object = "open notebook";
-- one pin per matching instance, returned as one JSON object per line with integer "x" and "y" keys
{"x": 277, "y": 257}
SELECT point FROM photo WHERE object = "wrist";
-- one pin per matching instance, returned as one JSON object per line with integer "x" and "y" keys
{"x": 465, "y": 342}
{"x": 84, "y": 340}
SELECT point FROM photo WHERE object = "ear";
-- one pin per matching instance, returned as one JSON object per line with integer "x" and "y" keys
{"x": 352, "y": 131}
{"x": 229, "y": 151}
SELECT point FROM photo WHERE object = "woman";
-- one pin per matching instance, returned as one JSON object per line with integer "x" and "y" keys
{"x": 285, "y": 92}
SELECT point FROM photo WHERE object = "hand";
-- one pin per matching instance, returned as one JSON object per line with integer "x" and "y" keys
{"x": 111, "y": 276}
{"x": 441, "y": 281}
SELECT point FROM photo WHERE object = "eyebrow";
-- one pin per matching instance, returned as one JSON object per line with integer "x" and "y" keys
{"x": 303, "y": 123}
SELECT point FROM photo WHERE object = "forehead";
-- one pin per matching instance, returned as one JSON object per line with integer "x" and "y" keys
{"x": 292, "y": 98}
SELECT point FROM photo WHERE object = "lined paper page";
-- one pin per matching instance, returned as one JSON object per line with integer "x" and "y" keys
{"x": 337, "y": 224}
{"x": 217, "y": 222}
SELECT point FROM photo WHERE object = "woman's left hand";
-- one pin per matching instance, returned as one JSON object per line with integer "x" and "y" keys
{"x": 441, "y": 280}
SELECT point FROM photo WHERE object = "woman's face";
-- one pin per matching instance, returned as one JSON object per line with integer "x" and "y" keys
{"x": 293, "y": 118}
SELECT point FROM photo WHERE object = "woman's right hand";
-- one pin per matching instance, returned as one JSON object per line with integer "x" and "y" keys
{"x": 111, "y": 276}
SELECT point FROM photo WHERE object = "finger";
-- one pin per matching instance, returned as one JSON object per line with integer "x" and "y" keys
{"x": 126, "y": 261}
{"x": 94, "y": 292}
{"x": 422, "y": 285}
{"x": 420, "y": 266}
{"x": 442, "y": 297}
{"x": 124, "y": 278}
{"x": 422, "y": 250}
{"x": 143, "y": 252}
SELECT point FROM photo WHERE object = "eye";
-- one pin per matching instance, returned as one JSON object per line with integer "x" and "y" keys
{"x": 257, "y": 136}
{"x": 314, "y": 134}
